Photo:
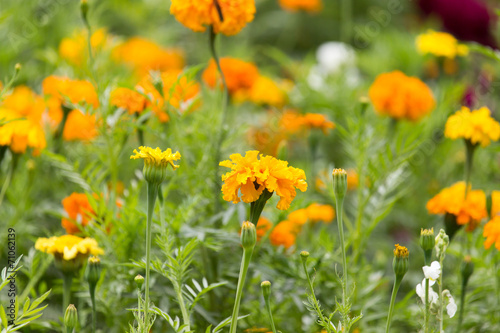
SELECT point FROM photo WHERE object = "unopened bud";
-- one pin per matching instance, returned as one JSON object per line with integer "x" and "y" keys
{"x": 427, "y": 243}
{"x": 266, "y": 289}
{"x": 248, "y": 235}
{"x": 71, "y": 317}
{"x": 139, "y": 281}
{"x": 442, "y": 242}
{"x": 339, "y": 183}
{"x": 401, "y": 260}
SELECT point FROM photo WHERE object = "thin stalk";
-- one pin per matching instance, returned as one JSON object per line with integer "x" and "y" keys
{"x": 395, "y": 288}
{"x": 222, "y": 131}
{"x": 152, "y": 194}
{"x": 270, "y": 313}
{"x": 245, "y": 261}
{"x": 441, "y": 300}
{"x": 469, "y": 150}
{"x": 58, "y": 136}
{"x": 462, "y": 306}
{"x": 339, "y": 206}
{"x": 67, "y": 281}
{"x": 346, "y": 20}
{"x": 10, "y": 176}
{"x": 427, "y": 307}
{"x": 182, "y": 305}
{"x": 316, "y": 304}
{"x": 140, "y": 316}
{"x": 94, "y": 312}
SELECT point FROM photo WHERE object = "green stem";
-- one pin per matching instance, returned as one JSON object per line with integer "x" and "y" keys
{"x": 10, "y": 176}
{"x": 140, "y": 316}
{"x": 395, "y": 288}
{"x": 58, "y": 136}
{"x": 270, "y": 313}
{"x": 258, "y": 205}
{"x": 67, "y": 281}
{"x": 140, "y": 132}
{"x": 182, "y": 305}
{"x": 94, "y": 312}
{"x": 441, "y": 300}
{"x": 346, "y": 20}
{"x": 245, "y": 261}
{"x": 316, "y": 304}
{"x": 469, "y": 149}
{"x": 339, "y": 206}
{"x": 152, "y": 194}
{"x": 222, "y": 130}
{"x": 462, "y": 306}
{"x": 427, "y": 307}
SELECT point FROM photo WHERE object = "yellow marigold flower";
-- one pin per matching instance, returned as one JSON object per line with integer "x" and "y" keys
{"x": 299, "y": 216}
{"x": 251, "y": 175}
{"x": 22, "y": 110}
{"x": 440, "y": 44}
{"x": 78, "y": 208}
{"x": 75, "y": 49}
{"x": 128, "y": 99}
{"x": 80, "y": 126}
{"x": 317, "y": 120}
{"x": 239, "y": 74}
{"x": 468, "y": 210}
{"x": 284, "y": 234}
{"x": 143, "y": 55}
{"x": 477, "y": 126}
{"x": 305, "y": 5}
{"x": 495, "y": 203}
{"x": 352, "y": 179}
{"x": 197, "y": 14}
{"x": 266, "y": 92}
{"x": 320, "y": 213}
{"x": 157, "y": 157}
{"x": 492, "y": 233}
{"x": 68, "y": 247}
{"x": 400, "y": 96}
{"x": 401, "y": 251}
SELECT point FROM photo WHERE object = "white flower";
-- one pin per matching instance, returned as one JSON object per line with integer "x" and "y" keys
{"x": 451, "y": 308}
{"x": 433, "y": 296}
{"x": 332, "y": 56}
{"x": 433, "y": 271}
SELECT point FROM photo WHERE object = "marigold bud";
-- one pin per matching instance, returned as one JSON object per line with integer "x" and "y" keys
{"x": 248, "y": 235}
{"x": 266, "y": 289}
{"x": 467, "y": 268}
{"x": 93, "y": 271}
{"x": 401, "y": 260}
{"x": 18, "y": 67}
{"x": 427, "y": 243}
{"x": 339, "y": 183}
{"x": 84, "y": 9}
{"x": 71, "y": 317}
{"x": 139, "y": 281}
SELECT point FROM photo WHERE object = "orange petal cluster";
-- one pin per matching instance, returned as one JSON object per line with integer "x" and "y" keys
{"x": 79, "y": 211}
{"x": 305, "y": 5}
{"x": 74, "y": 49}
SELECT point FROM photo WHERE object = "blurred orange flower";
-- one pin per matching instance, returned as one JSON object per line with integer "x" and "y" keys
{"x": 299, "y": 216}
{"x": 492, "y": 233}
{"x": 320, "y": 213}
{"x": 252, "y": 175}
{"x": 128, "y": 99}
{"x": 265, "y": 91}
{"x": 317, "y": 120}
{"x": 239, "y": 74}
{"x": 22, "y": 111}
{"x": 144, "y": 55}
{"x": 306, "y": 5}
{"x": 284, "y": 234}
{"x": 495, "y": 203}
{"x": 197, "y": 14}
{"x": 401, "y": 97}
{"x": 80, "y": 126}
{"x": 75, "y": 49}
{"x": 468, "y": 210}
{"x": 79, "y": 211}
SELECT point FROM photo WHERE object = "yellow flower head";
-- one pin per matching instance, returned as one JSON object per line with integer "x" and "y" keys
{"x": 468, "y": 210}
{"x": 299, "y": 216}
{"x": 440, "y": 44}
{"x": 477, "y": 126}
{"x": 401, "y": 251}
{"x": 492, "y": 233}
{"x": 251, "y": 175}
{"x": 75, "y": 49}
{"x": 264, "y": 91}
{"x": 400, "y": 96}
{"x": 156, "y": 156}
{"x": 68, "y": 247}
{"x": 197, "y": 14}
{"x": 495, "y": 203}
{"x": 305, "y": 5}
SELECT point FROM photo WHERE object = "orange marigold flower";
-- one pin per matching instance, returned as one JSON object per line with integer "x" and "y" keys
{"x": 79, "y": 211}
{"x": 75, "y": 49}
{"x": 299, "y": 216}
{"x": 239, "y": 74}
{"x": 197, "y": 14}
{"x": 180, "y": 91}
{"x": 401, "y": 97}
{"x": 291, "y": 121}
{"x": 477, "y": 126}
{"x": 266, "y": 92}
{"x": 22, "y": 111}
{"x": 492, "y": 233}
{"x": 128, "y": 99}
{"x": 317, "y": 120}
{"x": 284, "y": 234}
{"x": 80, "y": 126}
{"x": 320, "y": 213}
{"x": 305, "y": 5}
{"x": 144, "y": 55}
{"x": 495, "y": 203}
{"x": 251, "y": 175}
{"x": 352, "y": 179}
{"x": 468, "y": 210}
